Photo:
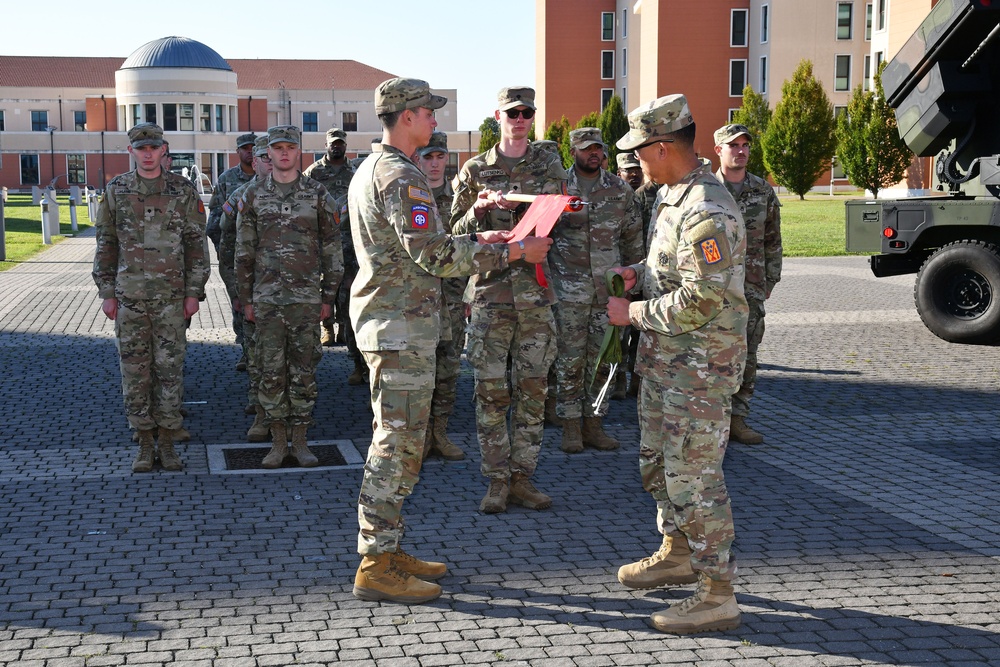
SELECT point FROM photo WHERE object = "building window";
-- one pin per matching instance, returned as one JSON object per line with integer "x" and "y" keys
{"x": 625, "y": 97}
{"x": 763, "y": 75}
{"x": 349, "y": 121}
{"x": 170, "y": 119}
{"x": 150, "y": 113}
{"x": 76, "y": 169}
{"x": 732, "y": 115}
{"x": 135, "y": 114}
{"x": 868, "y": 72}
{"x": 220, "y": 115}
{"x": 221, "y": 163}
{"x": 624, "y": 63}
{"x": 607, "y": 64}
{"x": 880, "y": 17}
{"x": 737, "y": 77}
{"x": 842, "y": 77}
{"x": 79, "y": 121}
{"x": 625, "y": 23}
{"x": 763, "y": 24}
{"x": 2, "y": 125}
{"x": 29, "y": 170}
{"x": 868, "y": 22}
{"x": 309, "y": 122}
{"x": 205, "y": 118}
{"x": 606, "y": 95}
{"x": 607, "y": 26}
{"x": 738, "y": 27}
{"x": 187, "y": 118}
{"x": 39, "y": 121}
{"x": 845, "y": 20}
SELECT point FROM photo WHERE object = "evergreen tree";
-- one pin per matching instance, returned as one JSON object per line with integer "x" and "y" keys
{"x": 590, "y": 120}
{"x": 870, "y": 149}
{"x": 756, "y": 115}
{"x": 799, "y": 141}
{"x": 559, "y": 132}
{"x": 614, "y": 125}
{"x": 489, "y": 133}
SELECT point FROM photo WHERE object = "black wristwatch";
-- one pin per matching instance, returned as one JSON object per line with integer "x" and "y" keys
{"x": 474, "y": 238}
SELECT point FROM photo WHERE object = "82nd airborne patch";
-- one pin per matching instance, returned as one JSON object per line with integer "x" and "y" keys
{"x": 420, "y": 216}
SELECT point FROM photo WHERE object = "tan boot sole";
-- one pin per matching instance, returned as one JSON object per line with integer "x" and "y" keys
{"x": 375, "y": 595}
{"x": 717, "y": 625}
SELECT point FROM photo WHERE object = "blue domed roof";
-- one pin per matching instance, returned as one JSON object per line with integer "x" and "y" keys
{"x": 175, "y": 52}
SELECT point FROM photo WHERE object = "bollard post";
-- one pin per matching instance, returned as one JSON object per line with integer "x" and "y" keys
{"x": 72, "y": 214}
{"x": 46, "y": 230}
{"x": 3, "y": 233}
{"x": 54, "y": 229}
{"x": 92, "y": 206}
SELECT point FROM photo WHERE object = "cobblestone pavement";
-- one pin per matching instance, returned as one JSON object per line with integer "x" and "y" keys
{"x": 867, "y": 526}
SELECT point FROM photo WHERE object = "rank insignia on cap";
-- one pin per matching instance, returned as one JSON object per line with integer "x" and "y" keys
{"x": 420, "y": 216}
{"x": 419, "y": 194}
{"x": 710, "y": 249}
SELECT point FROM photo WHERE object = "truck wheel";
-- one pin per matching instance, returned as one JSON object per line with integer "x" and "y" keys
{"x": 958, "y": 292}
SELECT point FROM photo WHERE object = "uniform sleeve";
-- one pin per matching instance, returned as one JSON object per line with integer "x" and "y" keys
{"x": 772, "y": 244}
{"x": 215, "y": 210}
{"x": 632, "y": 246}
{"x": 463, "y": 220}
{"x": 196, "y": 267}
{"x": 331, "y": 246}
{"x": 246, "y": 248}
{"x": 105, "y": 269}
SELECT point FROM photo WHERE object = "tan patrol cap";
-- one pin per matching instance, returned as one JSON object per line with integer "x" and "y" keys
{"x": 279, "y": 133}
{"x": 582, "y": 137}
{"x": 727, "y": 133}
{"x": 628, "y": 160}
{"x": 515, "y": 96}
{"x": 400, "y": 94}
{"x": 656, "y": 120}
{"x": 145, "y": 134}
{"x": 245, "y": 139}
{"x": 438, "y": 144}
{"x": 335, "y": 134}
{"x": 260, "y": 146}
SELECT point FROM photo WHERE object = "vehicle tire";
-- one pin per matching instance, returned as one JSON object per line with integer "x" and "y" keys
{"x": 957, "y": 292}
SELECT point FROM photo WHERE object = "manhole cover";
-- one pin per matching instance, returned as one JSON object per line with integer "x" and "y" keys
{"x": 244, "y": 458}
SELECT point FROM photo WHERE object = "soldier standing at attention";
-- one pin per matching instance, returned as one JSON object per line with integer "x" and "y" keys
{"x": 288, "y": 264}
{"x": 512, "y": 327}
{"x": 630, "y": 172}
{"x": 396, "y": 312}
{"x": 762, "y": 215}
{"x": 150, "y": 270}
{"x": 604, "y": 234}
{"x": 432, "y": 160}
{"x": 692, "y": 347}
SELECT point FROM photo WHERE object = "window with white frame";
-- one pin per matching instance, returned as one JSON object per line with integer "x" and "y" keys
{"x": 732, "y": 115}
{"x": 842, "y": 75}
{"x": 606, "y": 95}
{"x": 763, "y": 75}
{"x": 607, "y": 26}
{"x": 29, "y": 170}
{"x": 738, "y": 27}
{"x": 2, "y": 126}
{"x": 868, "y": 72}
{"x": 880, "y": 16}
{"x": 349, "y": 121}
{"x": 625, "y": 22}
{"x": 868, "y": 22}
{"x": 737, "y": 77}
{"x": 76, "y": 168}
{"x": 845, "y": 20}
{"x": 624, "y": 62}
{"x": 607, "y": 64}
{"x": 764, "y": 23}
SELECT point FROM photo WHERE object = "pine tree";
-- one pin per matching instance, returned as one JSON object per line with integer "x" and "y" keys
{"x": 558, "y": 132}
{"x": 870, "y": 149}
{"x": 489, "y": 134}
{"x": 799, "y": 141}
{"x": 614, "y": 125}
{"x": 590, "y": 120}
{"x": 756, "y": 115}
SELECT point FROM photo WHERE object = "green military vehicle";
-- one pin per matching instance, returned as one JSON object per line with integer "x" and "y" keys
{"x": 945, "y": 87}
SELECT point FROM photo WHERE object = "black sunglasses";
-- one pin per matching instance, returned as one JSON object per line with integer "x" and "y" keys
{"x": 520, "y": 113}
{"x": 635, "y": 151}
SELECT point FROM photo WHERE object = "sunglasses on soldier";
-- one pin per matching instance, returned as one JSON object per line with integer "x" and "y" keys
{"x": 522, "y": 113}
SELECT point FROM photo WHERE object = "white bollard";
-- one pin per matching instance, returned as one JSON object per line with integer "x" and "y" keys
{"x": 72, "y": 214}
{"x": 46, "y": 230}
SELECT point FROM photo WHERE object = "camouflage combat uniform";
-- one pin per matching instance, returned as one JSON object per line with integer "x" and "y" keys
{"x": 288, "y": 263}
{"x": 512, "y": 327}
{"x": 762, "y": 214}
{"x": 396, "y": 311}
{"x": 586, "y": 243}
{"x": 646, "y": 196}
{"x": 151, "y": 256}
{"x": 229, "y": 181}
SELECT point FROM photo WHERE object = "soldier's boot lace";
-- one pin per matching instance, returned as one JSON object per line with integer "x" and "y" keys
{"x": 712, "y": 608}
{"x": 421, "y": 569}
{"x": 740, "y": 431}
{"x": 147, "y": 450}
{"x": 165, "y": 448}
{"x": 279, "y": 446}
{"x": 258, "y": 431}
{"x": 524, "y": 493}
{"x": 327, "y": 338}
{"x": 669, "y": 566}
{"x": 380, "y": 578}
{"x": 594, "y": 435}
{"x": 572, "y": 436}
{"x": 300, "y": 450}
{"x": 442, "y": 444}
{"x": 495, "y": 500}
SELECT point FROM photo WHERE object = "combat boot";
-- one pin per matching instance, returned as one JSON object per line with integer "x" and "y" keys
{"x": 712, "y": 608}
{"x": 380, "y": 578}
{"x": 327, "y": 338}
{"x": 250, "y": 409}
{"x": 144, "y": 459}
{"x": 165, "y": 449}
{"x": 182, "y": 435}
{"x": 279, "y": 446}
{"x": 669, "y": 566}
{"x": 258, "y": 431}
{"x": 524, "y": 493}
{"x": 421, "y": 569}
{"x": 620, "y": 388}
{"x": 572, "y": 437}
{"x": 300, "y": 450}
{"x": 741, "y": 432}
{"x": 633, "y": 386}
{"x": 442, "y": 444}
{"x": 241, "y": 365}
{"x": 594, "y": 435}
{"x": 360, "y": 374}
{"x": 495, "y": 500}
{"x": 551, "y": 418}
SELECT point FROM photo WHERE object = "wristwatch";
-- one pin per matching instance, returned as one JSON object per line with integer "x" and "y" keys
{"x": 521, "y": 245}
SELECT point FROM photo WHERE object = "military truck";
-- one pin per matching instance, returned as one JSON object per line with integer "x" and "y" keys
{"x": 944, "y": 85}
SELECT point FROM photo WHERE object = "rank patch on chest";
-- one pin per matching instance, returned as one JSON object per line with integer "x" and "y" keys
{"x": 286, "y": 209}
{"x": 420, "y": 216}
{"x": 710, "y": 250}
{"x": 419, "y": 194}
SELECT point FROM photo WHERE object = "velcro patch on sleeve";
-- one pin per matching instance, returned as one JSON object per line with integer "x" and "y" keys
{"x": 418, "y": 194}
{"x": 710, "y": 246}
{"x": 240, "y": 205}
{"x": 227, "y": 207}
{"x": 420, "y": 216}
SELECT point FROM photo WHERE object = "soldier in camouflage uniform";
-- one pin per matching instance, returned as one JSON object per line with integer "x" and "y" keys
{"x": 432, "y": 160}
{"x": 258, "y": 431}
{"x": 512, "y": 327}
{"x": 288, "y": 264}
{"x": 606, "y": 233}
{"x": 692, "y": 318}
{"x": 630, "y": 171}
{"x": 396, "y": 310}
{"x": 150, "y": 270}
{"x": 762, "y": 215}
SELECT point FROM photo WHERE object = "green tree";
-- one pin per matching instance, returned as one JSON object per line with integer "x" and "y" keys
{"x": 489, "y": 134}
{"x": 590, "y": 120}
{"x": 614, "y": 125}
{"x": 756, "y": 115}
{"x": 799, "y": 141}
{"x": 558, "y": 132}
{"x": 869, "y": 147}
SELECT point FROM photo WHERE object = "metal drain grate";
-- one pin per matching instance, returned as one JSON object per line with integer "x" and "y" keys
{"x": 244, "y": 458}
{"x": 250, "y": 458}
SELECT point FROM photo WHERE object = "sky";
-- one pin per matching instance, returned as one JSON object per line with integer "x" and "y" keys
{"x": 452, "y": 44}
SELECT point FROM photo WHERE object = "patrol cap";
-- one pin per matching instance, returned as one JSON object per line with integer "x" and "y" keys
{"x": 548, "y": 146}
{"x": 656, "y": 120}
{"x": 279, "y": 133}
{"x": 245, "y": 139}
{"x": 437, "y": 144}
{"x": 582, "y": 137}
{"x": 515, "y": 96}
{"x": 260, "y": 146}
{"x": 400, "y": 94}
{"x": 727, "y": 133}
{"x": 145, "y": 134}
{"x": 335, "y": 134}
{"x": 628, "y": 160}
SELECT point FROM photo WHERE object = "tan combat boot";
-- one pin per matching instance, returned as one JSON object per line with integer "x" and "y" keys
{"x": 258, "y": 431}
{"x": 495, "y": 500}
{"x": 421, "y": 569}
{"x": 594, "y": 435}
{"x": 360, "y": 374}
{"x": 572, "y": 437}
{"x": 250, "y": 409}
{"x": 300, "y": 450}
{"x": 241, "y": 365}
{"x": 380, "y": 578}
{"x": 279, "y": 446}
{"x": 441, "y": 444}
{"x": 620, "y": 388}
{"x": 670, "y": 566}
{"x": 551, "y": 417}
{"x": 144, "y": 459}
{"x": 327, "y": 338}
{"x": 165, "y": 448}
{"x": 524, "y": 493}
{"x": 182, "y": 435}
{"x": 712, "y": 608}
{"x": 741, "y": 432}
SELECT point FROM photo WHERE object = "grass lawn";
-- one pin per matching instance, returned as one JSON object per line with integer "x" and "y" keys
{"x": 814, "y": 227}
{"x": 23, "y": 227}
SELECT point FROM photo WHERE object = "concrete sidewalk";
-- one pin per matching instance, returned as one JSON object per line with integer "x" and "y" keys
{"x": 867, "y": 524}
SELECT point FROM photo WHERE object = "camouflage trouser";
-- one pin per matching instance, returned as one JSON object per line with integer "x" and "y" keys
{"x": 449, "y": 352}
{"x": 288, "y": 352}
{"x": 526, "y": 340}
{"x": 401, "y": 385}
{"x": 253, "y": 366}
{"x": 238, "y": 324}
{"x": 151, "y": 342}
{"x": 755, "y": 334}
{"x": 581, "y": 331}
{"x": 681, "y": 449}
